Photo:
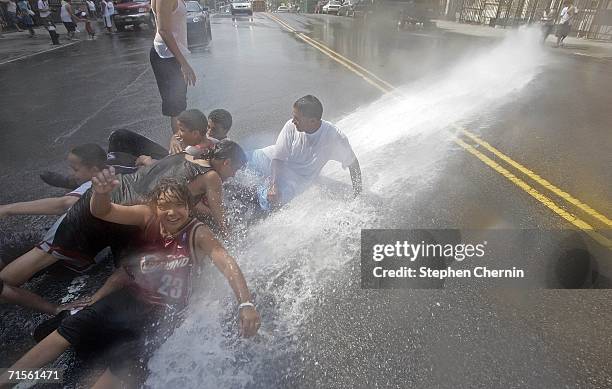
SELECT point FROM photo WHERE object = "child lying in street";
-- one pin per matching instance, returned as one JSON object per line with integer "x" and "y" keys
{"x": 149, "y": 292}
{"x": 86, "y": 161}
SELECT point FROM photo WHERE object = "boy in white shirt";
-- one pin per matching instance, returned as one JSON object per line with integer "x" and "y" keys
{"x": 305, "y": 144}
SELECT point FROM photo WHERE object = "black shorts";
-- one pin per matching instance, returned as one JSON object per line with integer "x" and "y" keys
{"x": 170, "y": 82}
{"x": 70, "y": 26}
{"x": 563, "y": 30}
{"x": 120, "y": 330}
{"x": 80, "y": 236}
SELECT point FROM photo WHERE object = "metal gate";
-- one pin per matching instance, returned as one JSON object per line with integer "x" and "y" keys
{"x": 593, "y": 21}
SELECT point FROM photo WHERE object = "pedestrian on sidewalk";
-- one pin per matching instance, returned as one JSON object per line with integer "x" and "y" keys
{"x": 106, "y": 15}
{"x": 91, "y": 6}
{"x": 548, "y": 23}
{"x": 11, "y": 11}
{"x": 84, "y": 16}
{"x": 111, "y": 9}
{"x": 566, "y": 17}
{"x": 26, "y": 14}
{"x": 45, "y": 18}
{"x": 68, "y": 18}
{"x": 44, "y": 11}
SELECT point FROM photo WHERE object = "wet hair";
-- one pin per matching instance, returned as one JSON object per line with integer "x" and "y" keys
{"x": 227, "y": 149}
{"x": 173, "y": 190}
{"x": 91, "y": 155}
{"x": 222, "y": 117}
{"x": 193, "y": 120}
{"x": 310, "y": 107}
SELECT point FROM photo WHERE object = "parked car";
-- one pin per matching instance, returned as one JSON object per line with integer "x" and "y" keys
{"x": 282, "y": 8}
{"x": 361, "y": 9}
{"x": 243, "y": 7}
{"x": 198, "y": 25}
{"x": 346, "y": 8}
{"x": 133, "y": 13}
{"x": 416, "y": 14}
{"x": 331, "y": 7}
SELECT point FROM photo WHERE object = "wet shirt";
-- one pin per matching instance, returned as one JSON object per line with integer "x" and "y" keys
{"x": 162, "y": 270}
{"x": 306, "y": 154}
{"x": 133, "y": 188}
{"x": 178, "y": 28}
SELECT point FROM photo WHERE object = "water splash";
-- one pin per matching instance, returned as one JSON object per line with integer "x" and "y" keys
{"x": 300, "y": 255}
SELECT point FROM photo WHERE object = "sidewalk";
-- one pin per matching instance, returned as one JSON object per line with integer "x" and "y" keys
{"x": 18, "y": 45}
{"x": 574, "y": 46}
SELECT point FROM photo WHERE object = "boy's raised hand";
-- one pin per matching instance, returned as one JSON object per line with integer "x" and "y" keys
{"x": 105, "y": 181}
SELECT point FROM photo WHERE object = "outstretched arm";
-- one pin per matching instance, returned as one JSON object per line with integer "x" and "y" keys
{"x": 355, "y": 171}
{"x": 102, "y": 207}
{"x": 48, "y": 206}
{"x": 206, "y": 244}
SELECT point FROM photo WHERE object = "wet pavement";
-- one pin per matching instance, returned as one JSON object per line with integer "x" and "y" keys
{"x": 556, "y": 124}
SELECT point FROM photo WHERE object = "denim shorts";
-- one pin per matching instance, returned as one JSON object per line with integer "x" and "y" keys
{"x": 261, "y": 164}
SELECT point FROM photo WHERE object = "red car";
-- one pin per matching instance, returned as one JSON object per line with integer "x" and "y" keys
{"x": 134, "y": 13}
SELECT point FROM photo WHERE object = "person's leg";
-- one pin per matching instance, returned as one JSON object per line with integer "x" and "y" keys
{"x": 40, "y": 355}
{"x": 171, "y": 85}
{"x": 13, "y": 295}
{"x": 259, "y": 162}
{"x": 107, "y": 381}
{"x": 13, "y": 20}
{"x": 23, "y": 268}
{"x": 126, "y": 141}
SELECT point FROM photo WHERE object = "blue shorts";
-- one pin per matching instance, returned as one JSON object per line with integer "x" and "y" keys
{"x": 260, "y": 163}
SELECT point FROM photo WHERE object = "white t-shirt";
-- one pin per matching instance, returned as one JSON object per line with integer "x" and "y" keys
{"x": 91, "y": 5}
{"x": 306, "y": 154}
{"x": 11, "y": 6}
{"x": 110, "y": 8}
{"x": 43, "y": 5}
{"x": 566, "y": 15}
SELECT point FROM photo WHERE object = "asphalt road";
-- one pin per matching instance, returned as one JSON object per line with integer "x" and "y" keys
{"x": 548, "y": 111}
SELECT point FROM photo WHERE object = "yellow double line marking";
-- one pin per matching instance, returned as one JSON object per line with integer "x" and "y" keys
{"x": 385, "y": 87}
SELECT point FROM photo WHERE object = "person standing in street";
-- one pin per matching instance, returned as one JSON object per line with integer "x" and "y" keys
{"x": 111, "y": 10}
{"x": 45, "y": 17}
{"x": 26, "y": 16}
{"x": 11, "y": 10}
{"x": 44, "y": 11}
{"x": 106, "y": 16}
{"x": 548, "y": 23}
{"x": 566, "y": 17}
{"x": 172, "y": 71}
{"x": 83, "y": 15}
{"x": 68, "y": 18}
